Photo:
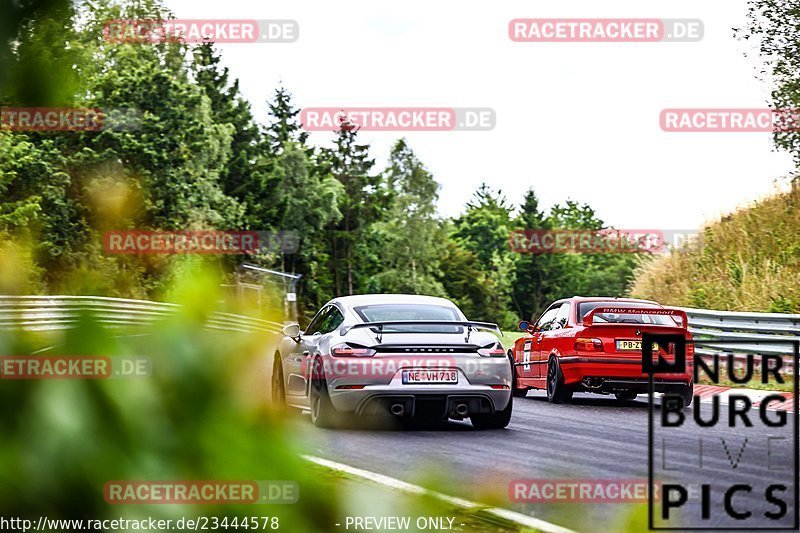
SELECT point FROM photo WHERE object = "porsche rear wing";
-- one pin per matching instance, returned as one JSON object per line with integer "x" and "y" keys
{"x": 470, "y": 325}
{"x": 588, "y": 320}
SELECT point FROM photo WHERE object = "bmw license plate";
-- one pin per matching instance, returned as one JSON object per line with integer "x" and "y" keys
{"x": 429, "y": 377}
{"x": 632, "y": 345}
{"x": 623, "y": 346}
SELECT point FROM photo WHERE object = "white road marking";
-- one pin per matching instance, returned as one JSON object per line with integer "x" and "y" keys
{"x": 511, "y": 516}
{"x": 42, "y": 350}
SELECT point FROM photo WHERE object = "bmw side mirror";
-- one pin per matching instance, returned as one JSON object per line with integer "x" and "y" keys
{"x": 292, "y": 330}
{"x": 524, "y": 325}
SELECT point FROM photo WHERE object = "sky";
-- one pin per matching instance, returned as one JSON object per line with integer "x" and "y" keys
{"x": 575, "y": 121}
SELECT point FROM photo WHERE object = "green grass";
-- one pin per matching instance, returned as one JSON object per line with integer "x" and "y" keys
{"x": 509, "y": 337}
{"x": 753, "y": 383}
{"x": 748, "y": 260}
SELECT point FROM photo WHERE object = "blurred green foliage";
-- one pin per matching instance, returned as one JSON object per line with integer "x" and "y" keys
{"x": 201, "y": 415}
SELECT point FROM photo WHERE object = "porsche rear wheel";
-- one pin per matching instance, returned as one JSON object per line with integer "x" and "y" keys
{"x": 496, "y": 420}
{"x": 323, "y": 413}
{"x": 557, "y": 391}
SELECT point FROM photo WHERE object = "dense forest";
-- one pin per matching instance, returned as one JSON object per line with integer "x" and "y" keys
{"x": 198, "y": 158}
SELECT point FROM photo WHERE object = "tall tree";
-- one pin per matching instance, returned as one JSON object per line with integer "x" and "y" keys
{"x": 484, "y": 227}
{"x": 361, "y": 205}
{"x": 588, "y": 274}
{"x": 309, "y": 203}
{"x": 773, "y": 30}
{"x": 249, "y": 173}
{"x": 285, "y": 126}
{"x": 411, "y": 236}
{"x": 36, "y": 65}
{"x": 530, "y": 288}
{"x": 467, "y": 283}
{"x": 483, "y": 230}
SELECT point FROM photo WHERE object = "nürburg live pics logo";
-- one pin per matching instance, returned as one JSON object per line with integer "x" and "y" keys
{"x": 728, "y": 461}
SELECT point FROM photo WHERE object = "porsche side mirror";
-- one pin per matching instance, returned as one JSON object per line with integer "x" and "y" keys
{"x": 292, "y": 330}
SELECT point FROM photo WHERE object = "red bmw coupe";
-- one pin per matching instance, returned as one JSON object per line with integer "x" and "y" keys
{"x": 595, "y": 345}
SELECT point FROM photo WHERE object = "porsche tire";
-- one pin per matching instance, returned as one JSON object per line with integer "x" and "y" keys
{"x": 496, "y": 420}
{"x": 323, "y": 413}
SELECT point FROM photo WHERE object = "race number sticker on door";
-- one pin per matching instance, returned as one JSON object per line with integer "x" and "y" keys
{"x": 526, "y": 355}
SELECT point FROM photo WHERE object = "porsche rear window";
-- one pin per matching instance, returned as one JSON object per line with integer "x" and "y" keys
{"x": 392, "y": 312}
{"x": 610, "y": 318}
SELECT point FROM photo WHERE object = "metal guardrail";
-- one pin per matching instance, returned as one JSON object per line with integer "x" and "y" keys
{"x": 753, "y": 333}
{"x": 756, "y": 333}
{"x": 51, "y": 313}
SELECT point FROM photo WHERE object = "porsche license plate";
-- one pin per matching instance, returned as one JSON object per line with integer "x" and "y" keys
{"x": 429, "y": 377}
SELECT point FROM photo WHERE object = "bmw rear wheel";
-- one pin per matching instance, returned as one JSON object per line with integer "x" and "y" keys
{"x": 557, "y": 391}
{"x": 687, "y": 392}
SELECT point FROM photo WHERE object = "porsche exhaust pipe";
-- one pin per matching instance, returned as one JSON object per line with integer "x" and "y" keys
{"x": 461, "y": 409}
{"x": 397, "y": 409}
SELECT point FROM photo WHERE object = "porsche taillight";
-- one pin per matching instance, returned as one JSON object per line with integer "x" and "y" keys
{"x": 351, "y": 350}
{"x": 492, "y": 350}
{"x": 587, "y": 344}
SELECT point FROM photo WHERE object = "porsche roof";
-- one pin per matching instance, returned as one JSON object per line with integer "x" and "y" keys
{"x": 367, "y": 299}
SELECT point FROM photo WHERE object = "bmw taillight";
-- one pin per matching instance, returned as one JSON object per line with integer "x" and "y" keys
{"x": 492, "y": 350}
{"x": 586, "y": 344}
{"x": 351, "y": 350}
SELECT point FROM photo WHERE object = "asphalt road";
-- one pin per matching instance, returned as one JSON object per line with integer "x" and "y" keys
{"x": 595, "y": 437}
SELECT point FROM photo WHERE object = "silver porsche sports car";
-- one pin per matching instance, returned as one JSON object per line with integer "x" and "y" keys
{"x": 396, "y": 355}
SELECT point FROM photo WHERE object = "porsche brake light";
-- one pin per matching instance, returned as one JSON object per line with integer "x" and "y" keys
{"x": 351, "y": 350}
{"x": 586, "y": 344}
{"x": 492, "y": 350}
